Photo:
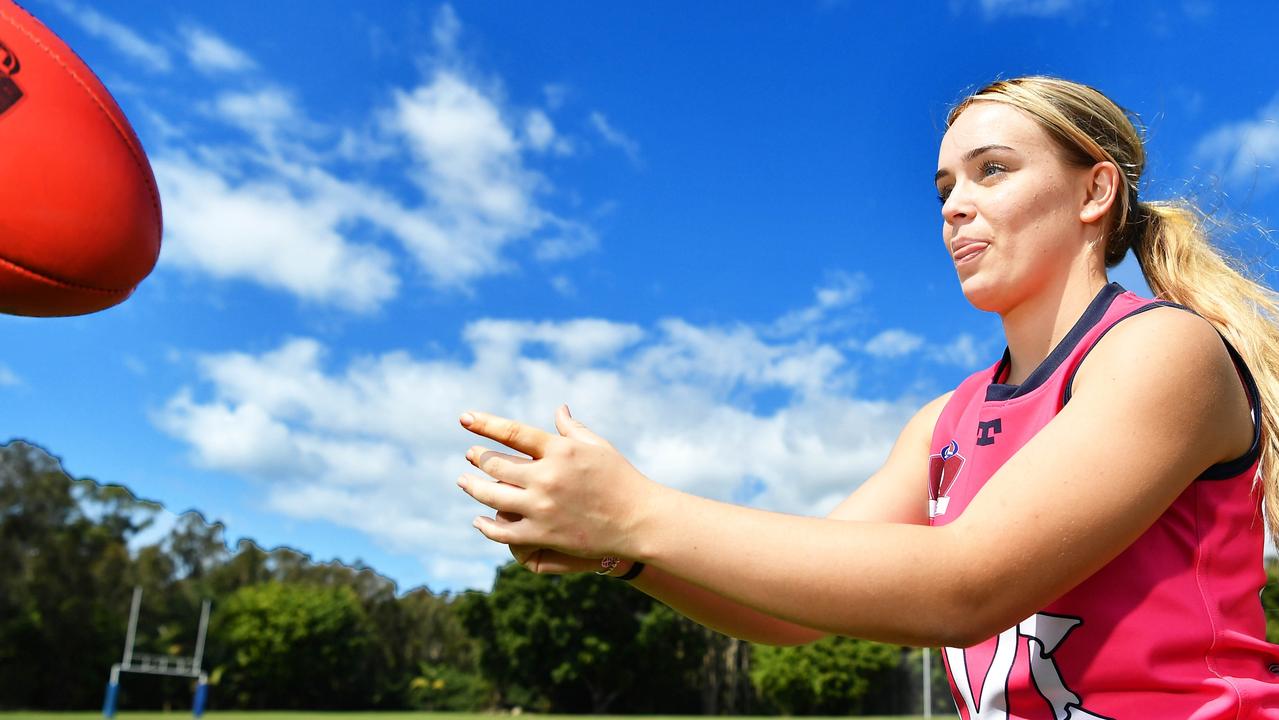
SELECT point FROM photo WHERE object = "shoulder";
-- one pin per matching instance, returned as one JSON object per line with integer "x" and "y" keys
{"x": 936, "y": 405}
{"x": 1145, "y": 421}
{"x": 1164, "y": 341}
{"x": 1167, "y": 368}
{"x": 925, "y": 419}
{"x": 917, "y": 435}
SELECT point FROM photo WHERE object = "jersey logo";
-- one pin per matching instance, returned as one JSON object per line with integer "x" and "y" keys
{"x": 1044, "y": 634}
{"x": 987, "y": 430}
{"x": 943, "y": 468}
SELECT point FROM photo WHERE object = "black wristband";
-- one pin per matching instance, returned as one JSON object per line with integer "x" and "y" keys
{"x": 636, "y": 568}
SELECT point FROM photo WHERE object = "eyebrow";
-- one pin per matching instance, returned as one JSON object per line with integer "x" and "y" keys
{"x": 969, "y": 156}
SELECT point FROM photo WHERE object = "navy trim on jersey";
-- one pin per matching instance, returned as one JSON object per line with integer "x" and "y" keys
{"x": 1070, "y": 381}
{"x": 1231, "y": 468}
{"x": 1092, "y": 315}
{"x": 1222, "y": 470}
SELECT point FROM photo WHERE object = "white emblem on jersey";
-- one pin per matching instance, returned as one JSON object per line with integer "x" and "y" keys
{"x": 1044, "y": 633}
{"x": 943, "y": 468}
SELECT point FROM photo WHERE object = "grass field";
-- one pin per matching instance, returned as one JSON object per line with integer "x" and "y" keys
{"x": 217, "y": 715}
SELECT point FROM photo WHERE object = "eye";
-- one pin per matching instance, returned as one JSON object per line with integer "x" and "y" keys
{"x": 990, "y": 167}
{"x": 942, "y": 194}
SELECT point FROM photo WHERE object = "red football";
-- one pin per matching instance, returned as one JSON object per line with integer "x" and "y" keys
{"x": 79, "y": 210}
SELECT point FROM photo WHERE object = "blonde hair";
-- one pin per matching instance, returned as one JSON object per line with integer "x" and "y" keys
{"x": 1167, "y": 237}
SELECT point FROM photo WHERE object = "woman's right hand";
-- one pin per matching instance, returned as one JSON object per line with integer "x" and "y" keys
{"x": 552, "y": 562}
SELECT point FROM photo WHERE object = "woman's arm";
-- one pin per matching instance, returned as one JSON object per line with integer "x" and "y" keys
{"x": 897, "y": 492}
{"x": 720, "y": 613}
{"x": 696, "y": 603}
{"x": 1144, "y": 421}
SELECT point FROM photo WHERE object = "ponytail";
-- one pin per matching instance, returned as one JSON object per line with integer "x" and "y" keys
{"x": 1181, "y": 265}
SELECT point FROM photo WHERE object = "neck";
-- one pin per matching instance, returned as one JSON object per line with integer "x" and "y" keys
{"x": 1035, "y": 326}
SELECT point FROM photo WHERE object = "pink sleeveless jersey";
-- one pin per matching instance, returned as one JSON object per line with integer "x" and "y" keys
{"x": 1172, "y": 627}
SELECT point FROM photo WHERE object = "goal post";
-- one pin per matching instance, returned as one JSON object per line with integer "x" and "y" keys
{"x": 170, "y": 665}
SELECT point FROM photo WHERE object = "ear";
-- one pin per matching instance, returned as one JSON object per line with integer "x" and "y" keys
{"x": 1102, "y": 185}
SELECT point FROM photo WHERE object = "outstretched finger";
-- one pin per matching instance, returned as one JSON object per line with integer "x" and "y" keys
{"x": 497, "y": 495}
{"x": 516, "y": 435}
{"x": 501, "y": 466}
{"x": 554, "y": 562}
{"x": 505, "y": 533}
{"x": 521, "y": 553}
{"x": 571, "y": 427}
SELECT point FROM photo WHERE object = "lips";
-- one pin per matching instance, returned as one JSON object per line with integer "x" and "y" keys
{"x": 964, "y": 250}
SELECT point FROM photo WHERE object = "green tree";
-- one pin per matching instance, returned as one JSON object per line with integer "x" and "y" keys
{"x": 674, "y": 676}
{"x": 247, "y": 566}
{"x": 447, "y": 688}
{"x": 829, "y": 677}
{"x": 64, "y": 562}
{"x": 422, "y": 637}
{"x": 293, "y": 646}
{"x": 196, "y": 546}
{"x": 341, "y": 635}
{"x": 578, "y": 643}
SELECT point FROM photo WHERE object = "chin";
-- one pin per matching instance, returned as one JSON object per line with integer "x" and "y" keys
{"x": 983, "y": 294}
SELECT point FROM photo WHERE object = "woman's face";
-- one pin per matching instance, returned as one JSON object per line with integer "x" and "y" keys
{"x": 1010, "y": 206}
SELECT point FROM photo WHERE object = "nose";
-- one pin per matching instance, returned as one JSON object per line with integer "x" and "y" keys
{"x": 958, "y": 208}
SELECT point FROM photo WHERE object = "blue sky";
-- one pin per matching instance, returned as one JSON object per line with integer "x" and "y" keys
{"x": 710, "y": 228}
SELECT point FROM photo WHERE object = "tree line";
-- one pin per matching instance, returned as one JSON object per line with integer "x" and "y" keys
{"x": 290, "y": 633}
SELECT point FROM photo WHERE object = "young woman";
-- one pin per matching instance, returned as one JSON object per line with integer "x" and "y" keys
{"x": 1080, "y": 524}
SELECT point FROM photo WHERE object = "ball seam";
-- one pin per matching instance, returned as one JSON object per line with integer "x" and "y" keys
{"x": 44, "y": 277}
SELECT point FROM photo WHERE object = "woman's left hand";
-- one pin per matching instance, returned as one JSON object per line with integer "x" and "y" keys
{"x": 574, "y": 492}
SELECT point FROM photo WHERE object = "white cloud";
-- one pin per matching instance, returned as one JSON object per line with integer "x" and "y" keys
{"x": 577, "y": 342}
{"x": 8, "y": 378}
{"x": 563, "y": 285}
{"x": 240, "y": 438}
{"x": 564, "y": 240}
{"x": 211, "y": 54}
{"x": 117, "y": 35}
{"x": 539, "y": 130}
{"x": 1026, "y": 8}
{"x": 963, "y": 351}
{"x": 893, "y": 343}
{"x": 264, "y": 231}
{"x": 364, "y": 147}
{"x": 265, "y": 114}
{"x": 540, "y": 135}
{"x": 555, "y": 94}
{"x": 446, "y": 29}
{"x": 1244, "y": 153}
{"x": 134, "y": 365}
{"x": 616, "y": 137}
{"x": 272, "y": 211}
{"x": 375, "y": 445}
{"x": 840, "y": 291}
{"x": 469, "y": 155}
{"x": 471, "y": 169}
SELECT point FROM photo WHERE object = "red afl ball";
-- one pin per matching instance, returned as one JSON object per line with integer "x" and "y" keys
{"x": 79, "y": 210}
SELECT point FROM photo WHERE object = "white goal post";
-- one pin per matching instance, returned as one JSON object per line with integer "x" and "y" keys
{"x": 176, "y": 666}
